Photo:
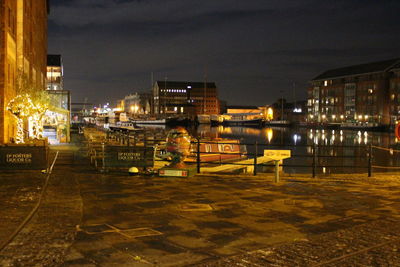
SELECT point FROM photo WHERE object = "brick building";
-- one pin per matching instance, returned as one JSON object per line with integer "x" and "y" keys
{"x": 188, "y": 98}
{"x": 23, "y": 50}
{"x": 362, "y": 94}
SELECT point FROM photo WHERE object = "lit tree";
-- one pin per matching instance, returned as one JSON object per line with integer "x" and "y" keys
{"x": 21, "y": 107}
{"x": 29, "y": 103}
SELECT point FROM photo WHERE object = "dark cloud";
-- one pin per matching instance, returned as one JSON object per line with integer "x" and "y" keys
{"x": 253, "y": 50}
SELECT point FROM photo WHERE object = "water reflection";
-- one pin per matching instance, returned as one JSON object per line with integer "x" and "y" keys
{"x": 338, "y": 149}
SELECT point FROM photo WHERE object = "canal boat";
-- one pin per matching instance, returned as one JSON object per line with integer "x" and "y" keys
{"x": 211, "y": 150}
{"x": 122, "y": 126}
{"x": 150, "y": 121}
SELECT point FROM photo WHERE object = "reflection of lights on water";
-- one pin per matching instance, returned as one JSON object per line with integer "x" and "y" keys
{"x": 333, "y": 131}
{"x": 359, "y": 140}
{"x": 365, "y": 139}
{"x": 359, "y": 133}
{"x": 341, "y": 132}
{"x": 332, "y": 139}
{"x": 365, "y": 134}
{"x": 341, "y": 138}
{"x": 296, "y": 138}
{"x": 311, "y": 136}
{"x": 323, "y": 170}
{"x": 391, "y": 151}
{"x": 270, "y": 134}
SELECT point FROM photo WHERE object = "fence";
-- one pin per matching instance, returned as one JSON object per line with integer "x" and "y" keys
{"x": 24, "y": 157}
{"x": 314, "y": 159}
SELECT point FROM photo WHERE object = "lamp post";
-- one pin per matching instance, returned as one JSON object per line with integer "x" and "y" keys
{"x": 165, "y": 96}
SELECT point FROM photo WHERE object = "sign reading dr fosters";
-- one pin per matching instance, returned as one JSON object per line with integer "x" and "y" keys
{"x": 117, "y": 156}
{"x": 23, "y": 157}
{"x": 19, "y": 158}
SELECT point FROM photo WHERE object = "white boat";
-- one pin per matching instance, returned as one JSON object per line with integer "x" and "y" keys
{"x": 122, "y": 125}
{"x": 161, "y": 121}
{"x": 243, "y": 118}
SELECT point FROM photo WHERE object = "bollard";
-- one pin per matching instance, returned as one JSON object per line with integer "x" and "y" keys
{"x": 276, "y": 171}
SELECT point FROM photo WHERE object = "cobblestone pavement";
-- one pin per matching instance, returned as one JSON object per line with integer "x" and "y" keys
{"x": 18, "y": 194}
{"x": 372, "y": 244}
{"x": 93, "y": 219}
{"x": 218, "y": 220}
{"x": 45, "y": 239}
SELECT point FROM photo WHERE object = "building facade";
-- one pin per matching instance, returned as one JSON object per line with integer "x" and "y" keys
{"x": 188, "y": 98}
{"x": 23, "y": 51}
{"x": 367, "y": 94}
{"x": 55, "y": 72}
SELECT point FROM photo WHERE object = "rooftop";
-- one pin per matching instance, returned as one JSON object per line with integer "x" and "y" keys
{"x": 54, "y": 60}
{"x": 378, "y": 66}
{"x": 184, "y": 85}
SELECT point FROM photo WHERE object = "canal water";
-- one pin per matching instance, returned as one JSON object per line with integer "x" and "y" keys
{"x": 336, "y": 151}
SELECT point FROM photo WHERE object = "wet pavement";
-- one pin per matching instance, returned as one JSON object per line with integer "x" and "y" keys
{"x": 139, "y": 221}
{"x": 112, "y": 219}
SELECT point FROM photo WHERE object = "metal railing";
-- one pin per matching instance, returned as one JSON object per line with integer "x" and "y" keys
{"x": 316, "y": 157}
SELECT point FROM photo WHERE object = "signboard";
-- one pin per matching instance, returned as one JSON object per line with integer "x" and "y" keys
{"x": 277, "y": 154}
{"x": 397, "y": 131}
{"x": 173, "y": 173}
{"x": 23, "y": 157}
{"x": 117, "y": 156}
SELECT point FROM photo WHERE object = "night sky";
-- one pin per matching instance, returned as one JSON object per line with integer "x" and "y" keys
{"x": 254, "y": 50}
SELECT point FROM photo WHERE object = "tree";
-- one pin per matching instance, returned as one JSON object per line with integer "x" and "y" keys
{"x": 30, "y": 103}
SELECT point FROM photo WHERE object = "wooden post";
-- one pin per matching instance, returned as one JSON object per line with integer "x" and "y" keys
{"x": 276, "y": 171}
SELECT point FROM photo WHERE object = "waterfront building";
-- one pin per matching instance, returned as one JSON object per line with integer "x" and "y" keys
{"x": 57, "y": 119}
{"x": 281, "y": 110}
{"x": 187, "y": 98}
{"x": 55, "y": 72}
{"x": 366, "y": 94}
{"x": 23, "y": 50}
{"x": 135, "y": 104}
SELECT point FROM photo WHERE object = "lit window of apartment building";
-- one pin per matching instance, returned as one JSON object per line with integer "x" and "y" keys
{"x": 189, "y": 98}
{"x": 366, "y": 93}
